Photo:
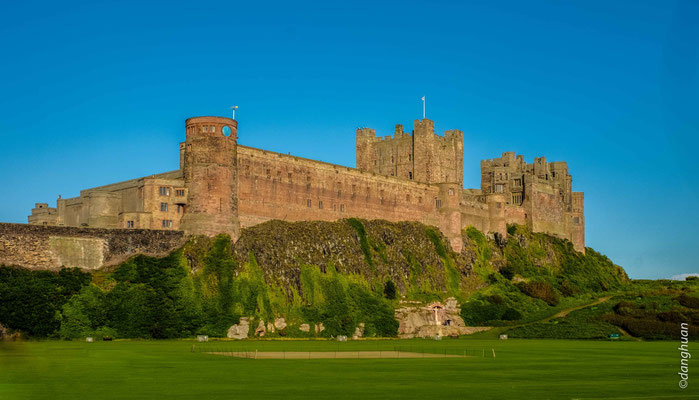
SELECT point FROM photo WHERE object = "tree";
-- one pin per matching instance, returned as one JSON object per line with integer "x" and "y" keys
{"x": 389, "y": 290}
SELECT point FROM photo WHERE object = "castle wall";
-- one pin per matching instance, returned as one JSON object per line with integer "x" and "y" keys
{"x": 280, "y": 186}
{"x": 221, "y": 186}
{"x": 52, "y": 247}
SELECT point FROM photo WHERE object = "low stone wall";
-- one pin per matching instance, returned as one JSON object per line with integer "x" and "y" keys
{"x": 53, "y": 247}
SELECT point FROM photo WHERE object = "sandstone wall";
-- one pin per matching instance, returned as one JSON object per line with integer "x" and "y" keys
{"x": 52, "y": 247}
{"x": 279, "y": 186}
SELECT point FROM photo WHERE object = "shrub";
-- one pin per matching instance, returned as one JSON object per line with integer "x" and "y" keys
{"x": 688, "y": 301}
{"x": 508, "y": 272}
{"x": 511, "y": 314}
{"x": 31, "y": 301}
{"x": 389, "y": 290}
{"x": 540, "y": 290}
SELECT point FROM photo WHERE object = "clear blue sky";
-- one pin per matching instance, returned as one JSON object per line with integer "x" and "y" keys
{"x": 93, "y": 94}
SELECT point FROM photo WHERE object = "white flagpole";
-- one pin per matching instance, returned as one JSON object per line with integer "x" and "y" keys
{"x": 423, "y": 106}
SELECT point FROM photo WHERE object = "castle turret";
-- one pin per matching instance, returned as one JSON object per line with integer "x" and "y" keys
{"x": 210, "y": 175}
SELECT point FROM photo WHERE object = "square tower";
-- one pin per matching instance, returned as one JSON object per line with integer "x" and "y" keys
{"x": 422, "y": 155}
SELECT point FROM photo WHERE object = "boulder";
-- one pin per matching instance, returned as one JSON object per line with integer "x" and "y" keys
{"x": 319, "y": 328}
{"x": 305, "y": 328}
{"x": 239, "y": 331}
{"x": 280, "y": 323}
{"x": 260, "y": 330}
{"x": 358, "y": 331}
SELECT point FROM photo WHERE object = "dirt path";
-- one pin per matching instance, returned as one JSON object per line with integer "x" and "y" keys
{"x": 569, "y": 310}
{"x": 560, "y": 314}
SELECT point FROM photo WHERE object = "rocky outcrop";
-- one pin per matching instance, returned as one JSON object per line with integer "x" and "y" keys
{"x": 260, "y": 330}
{"x": 420, "y": 320}
{"x": 280, "y": 323}
{"x": 240, "y": 330}
{"x": 281, "y": 248}
{"x": 358, "y": 331}
{"x": 305, "y": 328}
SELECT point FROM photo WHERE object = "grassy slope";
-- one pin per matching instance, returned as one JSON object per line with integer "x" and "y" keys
{"x": 523, "y": 369}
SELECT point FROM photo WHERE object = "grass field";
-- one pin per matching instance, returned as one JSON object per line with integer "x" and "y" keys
{"x": 522, "y": 369}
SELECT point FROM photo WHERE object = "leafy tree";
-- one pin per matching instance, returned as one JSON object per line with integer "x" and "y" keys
{"x": 389, "y": 290}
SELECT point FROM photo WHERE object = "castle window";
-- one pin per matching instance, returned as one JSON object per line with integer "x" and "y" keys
{"x": 288, "y": 177}
{"x": 576, "y": 220}
{"x": 375, "y": 162}
{"x": 410, "y": 157}
{"x": 164, "y": 191}
{"x": 163, "y": 206}
{"x": 320, "y": 204}
{"x": 410, "y": 175}
{"x": 308, "y": 203}
{"x": 180, "y": 208}
{"x": 167, "y": 223}
{"x": 438, "y": 203}
{"x": 339, "y": 193}
{"x": 518, "y": 182}
{"x": 212, "y": 128}
{"x": 247, "y": 170}
{"x": 129, "y": 224}
{"x": 179, "y": 192}
{"x": 499, "y": 188}
{"x": 279, "y": 176}
{"x": 392, "y": 160}
{"x": 342, "y": 208}
{"x": 451, "y": 192}
{"x": 269, "y": 174}
{"x": 206, "y": 128}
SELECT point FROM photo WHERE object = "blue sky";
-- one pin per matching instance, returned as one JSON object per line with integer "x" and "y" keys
{"x": 97, "y": 93}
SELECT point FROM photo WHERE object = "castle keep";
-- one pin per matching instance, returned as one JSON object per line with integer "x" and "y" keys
{"x": 222, "y": 186}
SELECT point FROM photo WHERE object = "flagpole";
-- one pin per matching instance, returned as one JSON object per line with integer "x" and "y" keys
{"x": 424, "y": 100}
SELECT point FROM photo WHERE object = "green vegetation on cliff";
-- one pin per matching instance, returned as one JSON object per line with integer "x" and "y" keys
{"x": 327, "y": 279}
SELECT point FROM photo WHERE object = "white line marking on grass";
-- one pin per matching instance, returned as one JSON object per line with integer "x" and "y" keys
{"x": 686, "y": 396}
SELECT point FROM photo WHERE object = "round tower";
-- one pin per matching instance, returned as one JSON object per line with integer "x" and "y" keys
{"x": 211, "y": 177}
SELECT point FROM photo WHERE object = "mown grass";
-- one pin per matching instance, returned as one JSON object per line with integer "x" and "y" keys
{"x": 522, "y": 369}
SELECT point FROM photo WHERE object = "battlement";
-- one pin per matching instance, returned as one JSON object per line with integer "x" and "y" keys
{"x": 421, "y": 156}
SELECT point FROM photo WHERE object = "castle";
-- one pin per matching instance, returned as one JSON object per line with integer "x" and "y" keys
{"x": 222, "y": 186}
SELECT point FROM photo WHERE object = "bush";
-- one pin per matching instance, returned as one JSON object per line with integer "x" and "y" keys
{"x": 389, "y": 290}
{"x": 31, "y": 301}
{"x": 688, "y": 301}
{"x": 540, "y": 290}
{"x": 508, "y": 272}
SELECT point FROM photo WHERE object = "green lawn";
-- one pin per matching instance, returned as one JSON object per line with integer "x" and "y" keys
{"x": 522, "y": 369}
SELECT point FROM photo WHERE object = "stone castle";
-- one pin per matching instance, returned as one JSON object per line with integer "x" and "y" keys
{"x": 222, "y": 186}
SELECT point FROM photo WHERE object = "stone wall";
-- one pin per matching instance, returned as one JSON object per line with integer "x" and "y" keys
{"x": 280, "y": 186}
{"x": 52, "y": 247}
{"x": 421, "y": 156}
